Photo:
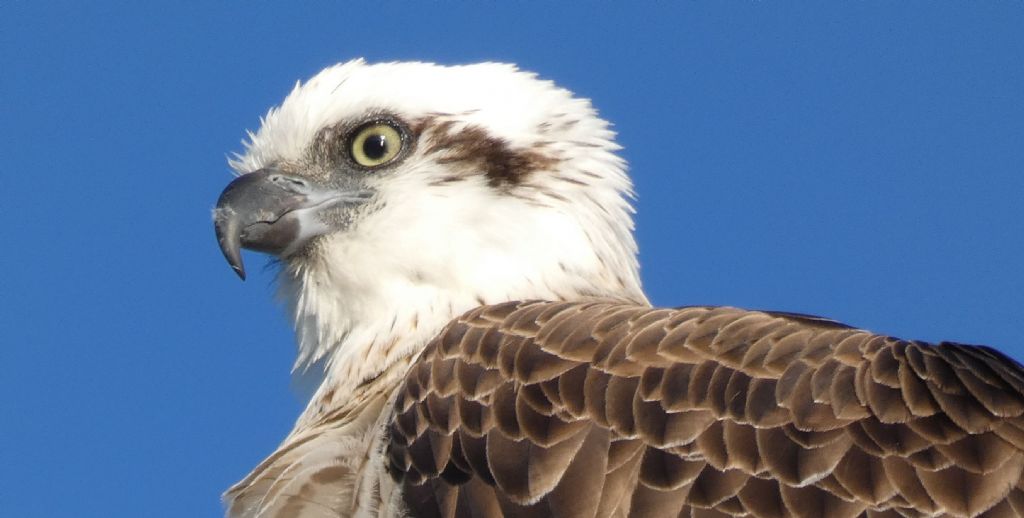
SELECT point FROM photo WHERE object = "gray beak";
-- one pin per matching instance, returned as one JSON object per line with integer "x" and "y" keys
{"x": 272, "y": 212}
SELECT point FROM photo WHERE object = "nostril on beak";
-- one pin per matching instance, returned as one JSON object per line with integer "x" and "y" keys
{"x": 290, "y": 183}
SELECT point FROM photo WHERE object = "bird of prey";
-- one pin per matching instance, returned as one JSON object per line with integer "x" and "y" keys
{"x": 455, "y": 247}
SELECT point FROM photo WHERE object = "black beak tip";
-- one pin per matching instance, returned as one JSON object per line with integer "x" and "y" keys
{"x": 226, "y": 226}
{"x": 234, "y": 257}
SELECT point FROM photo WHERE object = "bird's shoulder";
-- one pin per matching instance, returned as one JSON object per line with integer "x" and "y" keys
{"x": 525, "y": 406}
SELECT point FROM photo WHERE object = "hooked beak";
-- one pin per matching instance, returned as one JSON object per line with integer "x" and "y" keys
{"x": 272, "y": 212}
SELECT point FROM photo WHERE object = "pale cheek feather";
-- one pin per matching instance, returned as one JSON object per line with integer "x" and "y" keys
{"x": 429, "y": 255}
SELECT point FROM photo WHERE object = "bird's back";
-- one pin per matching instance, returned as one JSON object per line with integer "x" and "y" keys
{"x": 603, "y": 409}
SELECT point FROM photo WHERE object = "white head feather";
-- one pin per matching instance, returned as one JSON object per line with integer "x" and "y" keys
{"x": 435, "y": 246}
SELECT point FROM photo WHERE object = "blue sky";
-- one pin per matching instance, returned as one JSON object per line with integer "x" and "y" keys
{"x": 860, "y": 160}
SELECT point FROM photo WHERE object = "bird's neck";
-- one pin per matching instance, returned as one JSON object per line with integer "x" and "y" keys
{"x": 361, "y": 303}
{"x": 353, "y": 332}
{"x": 355, "y": 328}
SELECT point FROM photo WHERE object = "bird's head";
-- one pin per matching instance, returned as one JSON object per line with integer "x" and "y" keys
{"x": 398, "y": 195}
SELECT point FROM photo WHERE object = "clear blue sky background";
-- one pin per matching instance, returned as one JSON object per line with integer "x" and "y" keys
{"x": 861, "y": 161}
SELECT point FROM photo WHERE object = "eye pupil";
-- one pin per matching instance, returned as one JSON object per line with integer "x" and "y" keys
{"x": 375, "y": 147}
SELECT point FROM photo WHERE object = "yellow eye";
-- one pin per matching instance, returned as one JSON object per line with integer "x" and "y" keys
{"x": 375, "y": 144}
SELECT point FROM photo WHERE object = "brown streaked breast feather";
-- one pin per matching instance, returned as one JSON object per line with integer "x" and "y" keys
{"x": 601, "y": 409}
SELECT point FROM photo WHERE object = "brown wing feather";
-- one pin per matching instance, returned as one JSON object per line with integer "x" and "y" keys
{"x": 601, "y": 409}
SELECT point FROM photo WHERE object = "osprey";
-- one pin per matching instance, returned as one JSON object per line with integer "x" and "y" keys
{"x": 455, "y": 248}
